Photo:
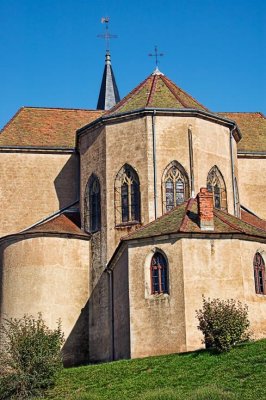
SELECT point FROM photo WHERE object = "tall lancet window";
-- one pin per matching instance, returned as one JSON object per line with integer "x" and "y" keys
{"x": 259, "y": 274}
{"x": 92, "y": 210}
{"x": 159, "y": 278}
{"x": 127, "y": 196}
{"x": 175, "y": 186}
{"x": 216, "y": 185}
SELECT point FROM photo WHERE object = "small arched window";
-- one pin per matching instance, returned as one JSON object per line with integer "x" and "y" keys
{"x": 216, "y": 185}
{"x": 259, "y": 274}
{"x": 93, "y": 205}
{"x": 175, "y": 186}
{"x": 127, "y": 196}
{"x": 159, "y": 276}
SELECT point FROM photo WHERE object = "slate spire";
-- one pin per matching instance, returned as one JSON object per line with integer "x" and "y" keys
{"x": 109, "y": 95}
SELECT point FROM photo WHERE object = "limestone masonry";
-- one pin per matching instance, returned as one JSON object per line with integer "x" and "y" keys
{"x": 117, "y": 221}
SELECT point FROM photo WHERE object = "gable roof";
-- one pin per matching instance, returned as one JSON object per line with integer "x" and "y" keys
{"x": 184, "y": 219}
{"x": 45, "y": 127}
{"x": 156, "y": 91}
{"x": 253, "y": 128}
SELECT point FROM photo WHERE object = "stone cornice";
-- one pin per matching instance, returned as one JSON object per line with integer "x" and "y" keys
{"x": 31, "y": 149}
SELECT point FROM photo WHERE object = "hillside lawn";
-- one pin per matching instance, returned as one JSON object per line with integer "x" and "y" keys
{"x": 201, "y": 375}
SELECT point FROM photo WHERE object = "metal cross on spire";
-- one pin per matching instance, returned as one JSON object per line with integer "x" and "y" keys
{"x": 156, "y": 55}
{"x": 107, "y": 36}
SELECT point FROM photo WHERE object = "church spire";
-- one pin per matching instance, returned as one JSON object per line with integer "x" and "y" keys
{"x": 109, "y": 94}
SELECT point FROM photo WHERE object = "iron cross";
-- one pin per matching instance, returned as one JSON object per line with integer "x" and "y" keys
{"x": 156, "y": 55}
{"x": 107, "y": 36}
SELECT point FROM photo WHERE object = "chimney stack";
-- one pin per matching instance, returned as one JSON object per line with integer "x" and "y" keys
{"x": 205, "y": 209}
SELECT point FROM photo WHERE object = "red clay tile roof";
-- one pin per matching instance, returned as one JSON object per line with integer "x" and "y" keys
{"x": 184, "y": 219}
{"x": 253, "y": 219}
{"x": 45, "y": 127}
{"x": 157, "y": 91}
{"x": 253, "y": 128}
{"x": 66, "y": 223}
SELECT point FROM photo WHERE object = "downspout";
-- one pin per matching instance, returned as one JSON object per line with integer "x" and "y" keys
{"x": 191, "y": 162}
{"x": 111, "y": 316}
{"x": 233, "y": 169}
{"x": 154, "y": 162}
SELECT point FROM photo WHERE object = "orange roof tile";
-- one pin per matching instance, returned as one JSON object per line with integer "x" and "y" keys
{"x": 184, "y": 219}
{"x": 253, "y": 128}
{"x": 66, "y": 223}
{"x": 45, "y": 127}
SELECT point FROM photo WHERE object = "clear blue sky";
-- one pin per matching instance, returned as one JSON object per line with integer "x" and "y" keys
{"x": 213, "y": 49}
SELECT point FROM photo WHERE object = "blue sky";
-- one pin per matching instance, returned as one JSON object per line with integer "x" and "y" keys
{"x": 50, "y": 55}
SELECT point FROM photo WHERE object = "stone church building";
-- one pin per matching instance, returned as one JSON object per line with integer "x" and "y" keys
{"x": 117, "y": 220}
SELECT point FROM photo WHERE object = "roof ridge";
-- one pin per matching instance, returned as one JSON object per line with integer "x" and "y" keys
{"x": 126, "y": 99}
{"x": 233, "y": 225}
{"x": 187, "y": 94}
{"x": 185, "y": 219}
{"x": 153, "y": 89}
{"x": 62, "y": 108}
{"x": 164, "y": 79}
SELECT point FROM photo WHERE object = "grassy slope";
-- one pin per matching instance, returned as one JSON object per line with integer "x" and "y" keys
{"x": 240, "y": 374}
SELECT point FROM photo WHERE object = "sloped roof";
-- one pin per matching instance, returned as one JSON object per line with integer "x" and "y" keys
{"x": 156, "y": 91}
{"x": 65, "y": 223}
{"x": 184, "y": 219}
{"x": 45, "y": 127}
{"x": 253, "y": 128}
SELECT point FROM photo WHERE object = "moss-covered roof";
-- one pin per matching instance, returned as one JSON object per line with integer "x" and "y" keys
{"x": 45, "y": 127}
{"x": 184, "y": 219}
{"x": 156, "y": 91}
{"x": 253, "y": 128}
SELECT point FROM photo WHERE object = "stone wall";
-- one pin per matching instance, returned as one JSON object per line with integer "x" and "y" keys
{"x": 34, "y": 186}
{"x": 252, "y": 184}
{"x": 48, "y": 275}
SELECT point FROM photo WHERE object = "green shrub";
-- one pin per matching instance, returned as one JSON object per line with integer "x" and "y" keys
{"x": 223, "y": 323}
{"x": 29, "y": 356}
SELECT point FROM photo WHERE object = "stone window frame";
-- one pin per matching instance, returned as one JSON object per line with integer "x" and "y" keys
{"x": 127, "y": 197}
{"x": 259, "y": 273}
{"x": 174, "y": 172}
{"x": 216, "y": 185}
{"x": 92, "y": 204}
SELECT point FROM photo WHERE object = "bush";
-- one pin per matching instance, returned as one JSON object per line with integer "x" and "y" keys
{"x": 29, "y": 356}
{"x": 224, "y": 323}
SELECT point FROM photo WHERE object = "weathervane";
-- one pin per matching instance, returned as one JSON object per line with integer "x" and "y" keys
{"x": 156, "y": 55}
{"x": 107, "y": 36}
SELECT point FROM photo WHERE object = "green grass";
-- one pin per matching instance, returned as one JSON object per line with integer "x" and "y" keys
{"x": 239, "y": 374}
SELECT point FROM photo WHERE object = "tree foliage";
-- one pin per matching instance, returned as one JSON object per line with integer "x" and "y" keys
{"x": 224, "y": 323}
{"x": 30, "y": 356}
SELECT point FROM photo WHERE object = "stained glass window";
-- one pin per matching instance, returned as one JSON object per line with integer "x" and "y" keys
{"x": 216, "y": 185}
{"x": 127, "y": 196}
{"x": 175, "y": 186}
{"x": 92, "y": 210}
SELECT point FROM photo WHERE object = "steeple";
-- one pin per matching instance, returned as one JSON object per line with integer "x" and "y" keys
{"x": 109, "y": 94}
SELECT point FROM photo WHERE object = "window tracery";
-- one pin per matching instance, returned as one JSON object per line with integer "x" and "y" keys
{"x": 216, "y": 185}
{"x": 127, "y": 196}
{"x": 259, "y": 274}
{"x": 175, "y": 186}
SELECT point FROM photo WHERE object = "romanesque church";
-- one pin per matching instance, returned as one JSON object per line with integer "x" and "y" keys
{"x": 117, "y": 220}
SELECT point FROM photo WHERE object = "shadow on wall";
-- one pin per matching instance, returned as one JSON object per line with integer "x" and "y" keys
{"x": 91, "y": 337}
{"x": 67, "y": 182}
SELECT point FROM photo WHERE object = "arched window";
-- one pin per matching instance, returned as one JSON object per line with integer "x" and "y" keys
{"x": 127, "y": 196}
{"x": 93, "y": 205}
{"x": 175, "y": 186}
{"x": 159, "y": 278}
{"x": 259, "y": 274}
{"x": 216, "y": 185}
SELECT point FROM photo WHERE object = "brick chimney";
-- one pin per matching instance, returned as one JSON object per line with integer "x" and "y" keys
{"x": 205, "y": 209}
